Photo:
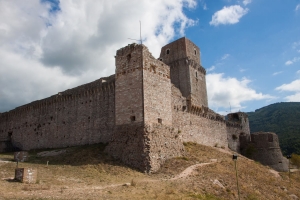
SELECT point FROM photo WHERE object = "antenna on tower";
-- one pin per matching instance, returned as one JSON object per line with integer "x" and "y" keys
{"x": 141, "y": 41}
{"x": 141, "y": 32}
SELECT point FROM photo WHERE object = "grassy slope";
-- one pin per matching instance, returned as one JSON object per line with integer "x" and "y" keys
{"x": 281, "y": 118}
{"x": 87, "y": 173}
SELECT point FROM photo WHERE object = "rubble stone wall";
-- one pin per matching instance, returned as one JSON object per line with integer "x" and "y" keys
{"x": 74, "y": 117}
{"x": 145, "y": 146}
{"x": 156, "y": 91}
{"x": 264, "y": 148}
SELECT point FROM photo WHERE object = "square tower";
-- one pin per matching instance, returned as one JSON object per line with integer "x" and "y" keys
{"x": 142, "y": 87}
{"x": 187, "y": 74}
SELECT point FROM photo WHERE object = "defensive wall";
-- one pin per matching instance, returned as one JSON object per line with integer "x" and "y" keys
{"x": 82, "y": 115}
{"x": 264, "y": 148}
{"x": 144, "y": 112}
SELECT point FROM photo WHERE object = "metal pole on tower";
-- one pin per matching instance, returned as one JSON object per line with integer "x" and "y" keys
{"x": 141, "y": 32}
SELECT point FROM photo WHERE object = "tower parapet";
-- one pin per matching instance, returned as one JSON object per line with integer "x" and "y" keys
{"x": 264, "y": 148}
{"x": 187, "y": 74}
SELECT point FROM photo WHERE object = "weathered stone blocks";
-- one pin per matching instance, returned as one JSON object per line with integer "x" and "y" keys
{"x": 26, "y": 175}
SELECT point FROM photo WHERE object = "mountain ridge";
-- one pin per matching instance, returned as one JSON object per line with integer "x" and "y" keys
{"x": 281, "y": 118}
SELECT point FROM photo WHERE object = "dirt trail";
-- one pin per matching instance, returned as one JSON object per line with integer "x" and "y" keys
{"x": 188, "y": 171}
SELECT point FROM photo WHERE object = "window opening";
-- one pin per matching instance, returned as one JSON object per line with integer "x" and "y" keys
{"x": 128, "y": 57}
{"x": 168, "y": 51}
{"x": 159, "y": 120}
{"x": 270, "y": 137}
{"x": 132, "y": 118}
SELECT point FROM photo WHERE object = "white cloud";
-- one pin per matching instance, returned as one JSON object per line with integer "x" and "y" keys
{"x": 228, "y": 15}
{"x": 290, "y": 62}
{"x": 45, "y": 52}
{"x": 225, "y": 56}
{"x": 293, "y": 98}
{"x": 298, "y": 72}
{"x": 224, "y": 90}
{"x": 294, "y": 86}
{"x": 246, "y": 2}
{"x": 297, "y": 7}
{"x": 242, "y": 70}
{"x": 276, "y": 73}
{"x": 212, "y": 68}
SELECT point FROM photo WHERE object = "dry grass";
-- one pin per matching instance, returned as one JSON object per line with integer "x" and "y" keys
{"x": 87, "y": 173}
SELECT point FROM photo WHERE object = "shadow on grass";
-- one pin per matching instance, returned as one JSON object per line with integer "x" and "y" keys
{"x": 74, "y": 156}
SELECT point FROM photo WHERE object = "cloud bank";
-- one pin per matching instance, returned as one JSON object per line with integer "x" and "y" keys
{"x": 294, "y": 87}
{"x": 227, "y": 91}
{"x": 50, "y": 46}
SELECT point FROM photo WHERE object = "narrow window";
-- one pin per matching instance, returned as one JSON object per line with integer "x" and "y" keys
{"x": 195, "y": 51}
{"x": 270, "y": 137}
{"x": 196, "y": 74}
{"x": 168, "y": 51}
{"x": 159, "y": 120}
{"x": 128, "y": 57}
{"x": 132, "y": 118}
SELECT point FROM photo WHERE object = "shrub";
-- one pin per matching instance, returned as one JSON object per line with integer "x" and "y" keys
{"x": 250, "y": 150}
{"x": 295, "y": 160}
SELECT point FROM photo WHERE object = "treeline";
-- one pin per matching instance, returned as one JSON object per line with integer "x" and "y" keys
{"x": 282, "y": 119}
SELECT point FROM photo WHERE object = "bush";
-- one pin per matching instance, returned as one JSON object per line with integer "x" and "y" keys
{"x": 295, "y": 160}
{"x": 250, "y": 150}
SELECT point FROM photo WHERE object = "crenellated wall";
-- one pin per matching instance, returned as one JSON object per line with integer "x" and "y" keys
{"x": 82, "y": 115}
{"x": 202, "y": 125}
{"x": 264, "y": 148}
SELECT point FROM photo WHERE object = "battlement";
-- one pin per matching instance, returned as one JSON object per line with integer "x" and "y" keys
{"x": 180, "y": 49}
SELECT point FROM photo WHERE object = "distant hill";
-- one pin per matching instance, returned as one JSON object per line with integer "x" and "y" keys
{"x": 281, "y": 118}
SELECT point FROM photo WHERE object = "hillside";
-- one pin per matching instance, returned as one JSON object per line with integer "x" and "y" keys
{"x": 203, "y": 173}
{"x": 281, "y": 118}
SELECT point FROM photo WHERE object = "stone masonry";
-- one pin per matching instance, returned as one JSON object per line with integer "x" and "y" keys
{"x": 144, "y": 112}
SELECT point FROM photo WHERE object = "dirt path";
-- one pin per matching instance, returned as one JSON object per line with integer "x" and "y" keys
{"x": 188, "y": 171}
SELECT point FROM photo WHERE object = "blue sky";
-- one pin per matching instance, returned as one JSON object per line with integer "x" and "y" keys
{"x": 250, "y": 48}
{"x": 263, "y": 46}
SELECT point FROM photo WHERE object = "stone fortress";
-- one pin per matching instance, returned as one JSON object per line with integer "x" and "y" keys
{"x": 145, "y": 111}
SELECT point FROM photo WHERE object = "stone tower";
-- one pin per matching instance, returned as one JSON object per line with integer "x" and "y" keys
{"x": 142, "y": 87}
{"x": 187, "y": 74}
{"x": 264, "y": 148}
{"x": 143, "y": 135}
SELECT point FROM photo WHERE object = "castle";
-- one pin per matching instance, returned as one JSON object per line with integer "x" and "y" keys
{"x": 145, "y": 111}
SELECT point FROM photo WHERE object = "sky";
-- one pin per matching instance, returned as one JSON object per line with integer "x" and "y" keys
{"x": 249, "y": 48}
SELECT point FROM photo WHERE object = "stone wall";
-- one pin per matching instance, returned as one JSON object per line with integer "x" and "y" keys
{"x": 156, "y": 91}
{"x": 264, "y": 148}
{"x": 129, "y": 84}
{"x": 145, "y": 147}
{"x": 202, "y": 126}
{"x": 82, "y": 115}
{"x": 237, "y": 126}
